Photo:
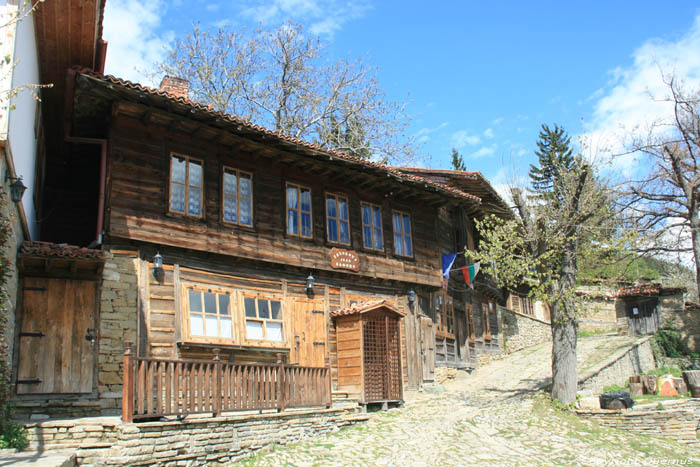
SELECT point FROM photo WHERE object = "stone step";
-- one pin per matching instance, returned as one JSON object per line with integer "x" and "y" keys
{"x": 37, "y": 458}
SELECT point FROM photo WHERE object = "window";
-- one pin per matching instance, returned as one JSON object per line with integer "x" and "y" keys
{"x": 209, "y": 314}
{"x": 298, "y": 210}
{"x": 238, "y": 197}
{"x": 263, "y": 319}
{"x": 186, "y": 178}
{"x": 337, "y": 219}
{"x": 403, "y": 244}
{"x": 372, "y": 227}
{"x": 470, "y": 325}
{"x": 445, "y": 314}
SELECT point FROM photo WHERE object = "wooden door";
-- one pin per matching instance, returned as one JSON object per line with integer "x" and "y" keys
{"x": 54, "y": 354}
{"x": 308, "y": 337}
{"x": 427, "y": 341}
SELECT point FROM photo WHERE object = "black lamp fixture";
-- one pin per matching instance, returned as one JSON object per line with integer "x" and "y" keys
{"x": 157, "y": 264}
{"x": 411, "y": 297}
{"x": 17, "y": 188}
{"x": 310, "y": 284}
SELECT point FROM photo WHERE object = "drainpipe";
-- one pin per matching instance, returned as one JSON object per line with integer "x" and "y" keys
{"x": 70, "y": 83}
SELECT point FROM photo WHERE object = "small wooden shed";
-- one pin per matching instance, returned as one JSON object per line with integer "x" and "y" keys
{"x": 369, "y": 351}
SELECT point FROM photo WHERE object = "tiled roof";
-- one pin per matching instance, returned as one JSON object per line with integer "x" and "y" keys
{"x": 60, "y": 250}
{"x": 364, "y": 307}
{"x": 204, "y": 109}
{"x": 653, "y": 289}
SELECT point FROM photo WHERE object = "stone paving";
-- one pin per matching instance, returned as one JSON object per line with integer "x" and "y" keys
{"x": 495, "y": 416}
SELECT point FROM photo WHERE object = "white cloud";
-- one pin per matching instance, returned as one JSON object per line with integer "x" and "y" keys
{"x": 488, "y": 133}
{"x": 484, "y": 151}
{"x": 633, "y": 100}
{"x": 497, "y": 121}
{"x": 462, "y": 138}
{"x": 321, "y": 17}
{"x": 423, "y": 135}
{"x": 131, "y": 28}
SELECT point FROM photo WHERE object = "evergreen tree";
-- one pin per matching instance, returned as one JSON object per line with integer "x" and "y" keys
{"x": 457, "y": 161}
{"x": 555, "y": 157}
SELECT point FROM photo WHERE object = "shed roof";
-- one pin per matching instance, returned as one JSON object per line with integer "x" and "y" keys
{"x": 60, "y": 250}
{"x": 649, "y": 290}
{"x": 365, "y": 307}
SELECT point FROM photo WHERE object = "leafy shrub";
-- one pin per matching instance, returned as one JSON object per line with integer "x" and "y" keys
{"x": 613, "y": 388}
{"x": 13, "y": 436}
{"x": 670, "y": 344}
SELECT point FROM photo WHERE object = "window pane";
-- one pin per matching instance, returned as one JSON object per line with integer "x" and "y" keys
{"x": 210, "y": 303}
{"x": 178, "y": 169}
{"x": 330, "y": 207}
{"x": 274, "y": 331}
{"x": 196, "y": 325}
{"x": 212, "y": 328}
{"x": 343, "y": 208}
{"x": 292, "y": 201}
{"x": 195, "y": 174}
{"x": 249, "y": 305}
{"x": 366, "y": 215}
{"x": 195, "y": 301}
{"x": 246, "y": 212}
{"x": 223, "y": 305}
{"x": 194, "y": 205}
{"x": 398, "y": 244}
{"x": 263, "y": 309}
{"x": 344, "y": 232}
{"x": 407, "y": 224}
{"x": 253, "y": 329}
{"x": 305, "y": 224}
{"x": 305, "y": 200}
{"x": 367, "y": 231}
{"x": 177, "y": 197}
{"x": 230, "y": 183}
{"x": 246, "y": 186}
{"x": 226, "y": 328}
{"x": 378, "y": 241}
{"x": 293, "y": 222}
{"x": 229, "y": 209}
{"x": 408, "y": 247}
{"x": 397, "y": 223}
{"x": 275, "y": 310}
{"x": 332, "y": 230}
{"x": 377, "y": 217}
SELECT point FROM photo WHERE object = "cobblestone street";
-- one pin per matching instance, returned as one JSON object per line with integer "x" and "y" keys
{"x": 495, "y": 416}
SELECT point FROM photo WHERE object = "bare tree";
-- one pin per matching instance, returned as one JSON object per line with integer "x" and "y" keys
{"x": 283, "y": 80}
{"x": 665, "y": 202}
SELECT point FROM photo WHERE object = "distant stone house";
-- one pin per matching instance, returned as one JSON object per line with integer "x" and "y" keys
{"x": 645, "y": 308}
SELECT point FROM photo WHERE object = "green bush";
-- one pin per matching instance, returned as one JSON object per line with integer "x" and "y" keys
{"x": 13, "y": 436}
{"x": 613, "y": 388}
{"x": 670, "y": 344}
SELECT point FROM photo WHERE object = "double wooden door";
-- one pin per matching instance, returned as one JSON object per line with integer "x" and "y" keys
{"x": 308, "y": 339}
{"x": 57, "y": 336}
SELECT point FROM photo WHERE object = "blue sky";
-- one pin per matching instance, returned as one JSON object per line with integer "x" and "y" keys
{"x": 479, "y": 76}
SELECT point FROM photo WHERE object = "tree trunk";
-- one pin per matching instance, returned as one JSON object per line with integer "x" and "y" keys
{"x": 695, "y": 237}
{"x": 564, "y": 376}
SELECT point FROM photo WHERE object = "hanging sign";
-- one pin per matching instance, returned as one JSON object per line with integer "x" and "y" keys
{"x": 345, "y": 259}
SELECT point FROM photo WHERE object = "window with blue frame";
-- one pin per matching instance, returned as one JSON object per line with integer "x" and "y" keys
{"x": 372, "y": 227}
{"x": 299, "y": 211}
{"x": 403, "y": 243}
{"x": 337, "y": 219}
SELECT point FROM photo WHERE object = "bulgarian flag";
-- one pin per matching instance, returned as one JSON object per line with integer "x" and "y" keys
{"x": 469, "y": 272}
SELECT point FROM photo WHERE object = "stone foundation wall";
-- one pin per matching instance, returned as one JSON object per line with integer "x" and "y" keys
{"x": 118, "y": 323}
{"x": 521, "y": 331}
{"x": 678, "y": 422}
{"x": 686, "y": 322}
{"x": 618, "y": 368}
{"x": 192, "y": 442}
{"x": 599, "y": 315}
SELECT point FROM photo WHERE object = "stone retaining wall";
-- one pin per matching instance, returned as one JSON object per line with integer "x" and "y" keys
{"x": 193, "y": 442}
{"x": 619, "y": 367}
{"x": 521, "y": 331}
{"x": 678, "y": 422}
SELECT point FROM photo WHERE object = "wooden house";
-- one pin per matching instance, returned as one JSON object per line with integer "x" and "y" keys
{"x": 216, "y": 239}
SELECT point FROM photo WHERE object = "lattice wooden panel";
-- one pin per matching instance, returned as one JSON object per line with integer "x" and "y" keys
{"x": 394, "y": 360}
{"x": 375, "y": 358}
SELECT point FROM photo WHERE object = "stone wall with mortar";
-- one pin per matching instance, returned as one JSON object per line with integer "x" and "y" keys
{"x": 678, "y": 422}
{"x": 619, "y": 367}
{"x": 687, "y": 322}
{"x": 196, "y": 441}
{"x": 118, "y": 319}
{"x": 599, "y": 315}
{"x": 521, "y": 331}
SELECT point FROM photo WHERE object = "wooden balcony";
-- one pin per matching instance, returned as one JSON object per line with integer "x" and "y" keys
{"x": 155, "y": 388}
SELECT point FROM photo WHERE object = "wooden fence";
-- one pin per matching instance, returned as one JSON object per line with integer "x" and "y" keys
{"x": 156, "y": 387}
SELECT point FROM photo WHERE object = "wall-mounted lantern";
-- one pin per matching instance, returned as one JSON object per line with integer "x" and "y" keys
{"x": 310, "y": 284}
{"x": 158, "y": 265}
{"x": 411, "y": 297}
{"x": 17, "y": 188}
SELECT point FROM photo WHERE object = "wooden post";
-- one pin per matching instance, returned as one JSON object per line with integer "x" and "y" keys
{"x": 281, "y": 393}
{"x": 128, "y": 384}
{"x": 329, "y": 401}
{"x": 217, "y": 384}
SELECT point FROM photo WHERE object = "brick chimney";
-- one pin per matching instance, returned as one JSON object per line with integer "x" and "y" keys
{"x": 176, "y": 87}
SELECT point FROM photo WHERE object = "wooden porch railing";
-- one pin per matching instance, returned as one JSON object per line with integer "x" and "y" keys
{"x": 156, "y": 387}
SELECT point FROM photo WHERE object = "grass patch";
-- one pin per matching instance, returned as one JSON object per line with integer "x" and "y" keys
{"x": 665, "y": 370}
{"x": 647, "y": 398}
{"x": 597, "y": 332}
